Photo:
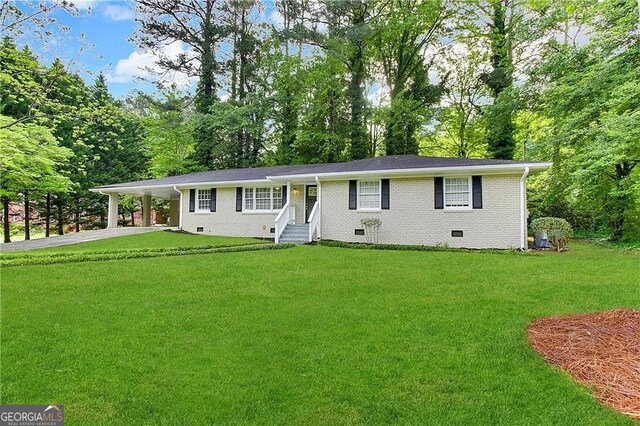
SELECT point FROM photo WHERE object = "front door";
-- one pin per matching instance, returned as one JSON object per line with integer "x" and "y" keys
{"x": 310, "y": 198}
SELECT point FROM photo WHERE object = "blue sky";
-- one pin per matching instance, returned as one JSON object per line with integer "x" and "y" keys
{"x": 104, "y": 27}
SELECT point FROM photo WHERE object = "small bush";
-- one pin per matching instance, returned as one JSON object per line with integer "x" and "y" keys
{"x": 557, "y": 230}
{"x": 401, "y": 247}
{"x": 78, "y": 257}
{"x": 371, "y": 229}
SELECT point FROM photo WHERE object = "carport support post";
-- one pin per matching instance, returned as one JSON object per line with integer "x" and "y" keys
{"x": 112, "y": 221}
{"x": 146, "y": 210}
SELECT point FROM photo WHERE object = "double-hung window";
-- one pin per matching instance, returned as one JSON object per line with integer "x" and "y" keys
{"x": 262, "y": 199}
{"x": 457, "y": 193}
{"x": 204, "y": 200}
{"x": 369, "y": 195}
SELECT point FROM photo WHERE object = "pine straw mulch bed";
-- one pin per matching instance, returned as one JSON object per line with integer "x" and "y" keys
{"x": 600, "y": 350}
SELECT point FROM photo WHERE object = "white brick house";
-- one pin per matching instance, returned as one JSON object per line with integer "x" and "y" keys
{"x": 419, "y": 200}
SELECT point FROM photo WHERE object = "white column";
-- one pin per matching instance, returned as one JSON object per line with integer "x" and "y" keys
{"x": 146, "y": 210}
{"x": 319, "y": 207}
{"x": 112, "y": 221}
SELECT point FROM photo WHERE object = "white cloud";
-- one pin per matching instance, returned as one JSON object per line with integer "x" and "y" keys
{"x": 118, "y": 12}
{"x": 142, "y": 65}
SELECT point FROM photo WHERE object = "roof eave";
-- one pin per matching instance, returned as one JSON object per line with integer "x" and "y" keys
{"x": 427, "y": 171}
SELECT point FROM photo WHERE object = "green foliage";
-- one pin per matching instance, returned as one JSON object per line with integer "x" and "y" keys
{"x": 169, "y": 140}
{"x": 593, "y": 98}
{"x": 221, "y": 133}
{"x": 401, "y": 247}
{"x": 30, "y": 159}
{"x": 556, "y": 229}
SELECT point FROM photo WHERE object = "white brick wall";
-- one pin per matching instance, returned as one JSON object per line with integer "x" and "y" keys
{"x": 412, "y": 218}
{"x": 226, "y": 220}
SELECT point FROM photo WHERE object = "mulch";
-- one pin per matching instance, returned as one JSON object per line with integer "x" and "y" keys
{"x": 600, "y": 350}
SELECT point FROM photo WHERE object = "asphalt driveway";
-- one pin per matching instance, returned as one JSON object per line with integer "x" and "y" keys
{"x": 80, "y": 237}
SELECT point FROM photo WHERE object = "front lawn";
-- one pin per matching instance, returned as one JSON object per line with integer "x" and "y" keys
{"x": 158, "y": 239}
{"x": 309, "y": 334}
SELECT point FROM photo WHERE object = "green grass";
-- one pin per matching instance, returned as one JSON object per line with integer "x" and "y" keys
{"x": 157, "y": 239}
{"x": 310, "y": 334}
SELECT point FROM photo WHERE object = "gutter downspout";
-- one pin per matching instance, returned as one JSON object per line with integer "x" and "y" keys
{"x": 523, "y": 208}
{"x": 179, "y": 207}
{"x": 319, "y": 206}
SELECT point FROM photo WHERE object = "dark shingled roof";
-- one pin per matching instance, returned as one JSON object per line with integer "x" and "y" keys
{"x": 389, "y": 162}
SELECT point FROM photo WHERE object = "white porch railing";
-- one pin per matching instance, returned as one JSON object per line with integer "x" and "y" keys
{"x": 287, "y": 215}
{"x": 314, "y": 220}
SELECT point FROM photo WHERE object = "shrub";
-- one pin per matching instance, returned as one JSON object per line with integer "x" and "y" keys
{"x": 557, "y": 230}
{"x": 371, "y": 228}
{"x": 78, "y": 257}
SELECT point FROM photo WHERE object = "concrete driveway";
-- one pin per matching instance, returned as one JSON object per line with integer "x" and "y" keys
{"x": 80, "y": 237}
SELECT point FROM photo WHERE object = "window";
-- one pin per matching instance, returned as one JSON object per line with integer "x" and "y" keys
{"x": 277, "y": 198}
{"x": 457, "y": 193}
{"x": 248, "y": 198}
{"x": 369, "y": 195}
{"x": 204, "y": 200}
{"x": 262, "y": 199}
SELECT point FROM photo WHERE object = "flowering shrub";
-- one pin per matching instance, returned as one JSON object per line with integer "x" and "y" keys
{"x": 557, "y": 230}
{"x": 371, "y": 227}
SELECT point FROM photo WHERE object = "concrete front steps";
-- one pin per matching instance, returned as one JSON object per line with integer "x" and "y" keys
{"x": 298, "y": 234}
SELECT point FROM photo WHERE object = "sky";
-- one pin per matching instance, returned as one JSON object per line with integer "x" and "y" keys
{"x": 98, "y": 41}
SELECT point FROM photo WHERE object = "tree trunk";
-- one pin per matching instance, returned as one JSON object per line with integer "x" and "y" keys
{"x": 60, "y": 219}
{"x": 616, "y": 219}
{"x": 133, "y": 219}
{"x": 27, "y": 217}
{"x": 76, "y": 220}
{"x": 5, "y": 219}
{"x": 47, "y": 215}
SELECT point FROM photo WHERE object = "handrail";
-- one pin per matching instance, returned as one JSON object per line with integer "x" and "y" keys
{"x": 281, "y": 221}
{"x": 314, "y": 219}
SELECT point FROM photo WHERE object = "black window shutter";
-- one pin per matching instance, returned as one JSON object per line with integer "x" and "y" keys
{"x": 476, "y": 185}
{"x": 239, "y": 199}
{"x": 385, "y": 194}
{"x": 213, "y": 200}
{"x": 353, "y": 194}
{"x": 439, "y": 192}
{"x": 192, "y": 200}
{"x": 284, "y": 195}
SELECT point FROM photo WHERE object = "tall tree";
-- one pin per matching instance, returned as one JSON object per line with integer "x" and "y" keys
{"x": 591, "y": 95}
{"x": 500, "y": 115}
{"x": 403, "y": 37}
{"x": 192, "y": 22}
{"x": 169, "y": 133}
{"x": 29, "y": 162}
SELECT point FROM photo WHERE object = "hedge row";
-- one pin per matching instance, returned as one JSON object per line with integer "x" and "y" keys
{"x": 399, "y": 247}
{"x": 134, "y": 254}
{"x": 30, "y": 254}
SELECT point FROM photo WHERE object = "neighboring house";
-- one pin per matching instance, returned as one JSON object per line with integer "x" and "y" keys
{"x": 473, "y": 203}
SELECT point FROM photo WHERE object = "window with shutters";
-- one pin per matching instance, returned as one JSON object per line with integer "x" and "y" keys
{"x": 262, "y": 199}
{"x": 369, "y": 195}
{"x": 203, "y": 200}
{"x": 457, "y": 193}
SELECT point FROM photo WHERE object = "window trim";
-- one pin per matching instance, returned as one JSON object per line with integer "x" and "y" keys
{"x": 376, "y": 209}
{"x": 469, "y": 192}
{"x": 254, "y": 189}
{"x": 202, "y": 210}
